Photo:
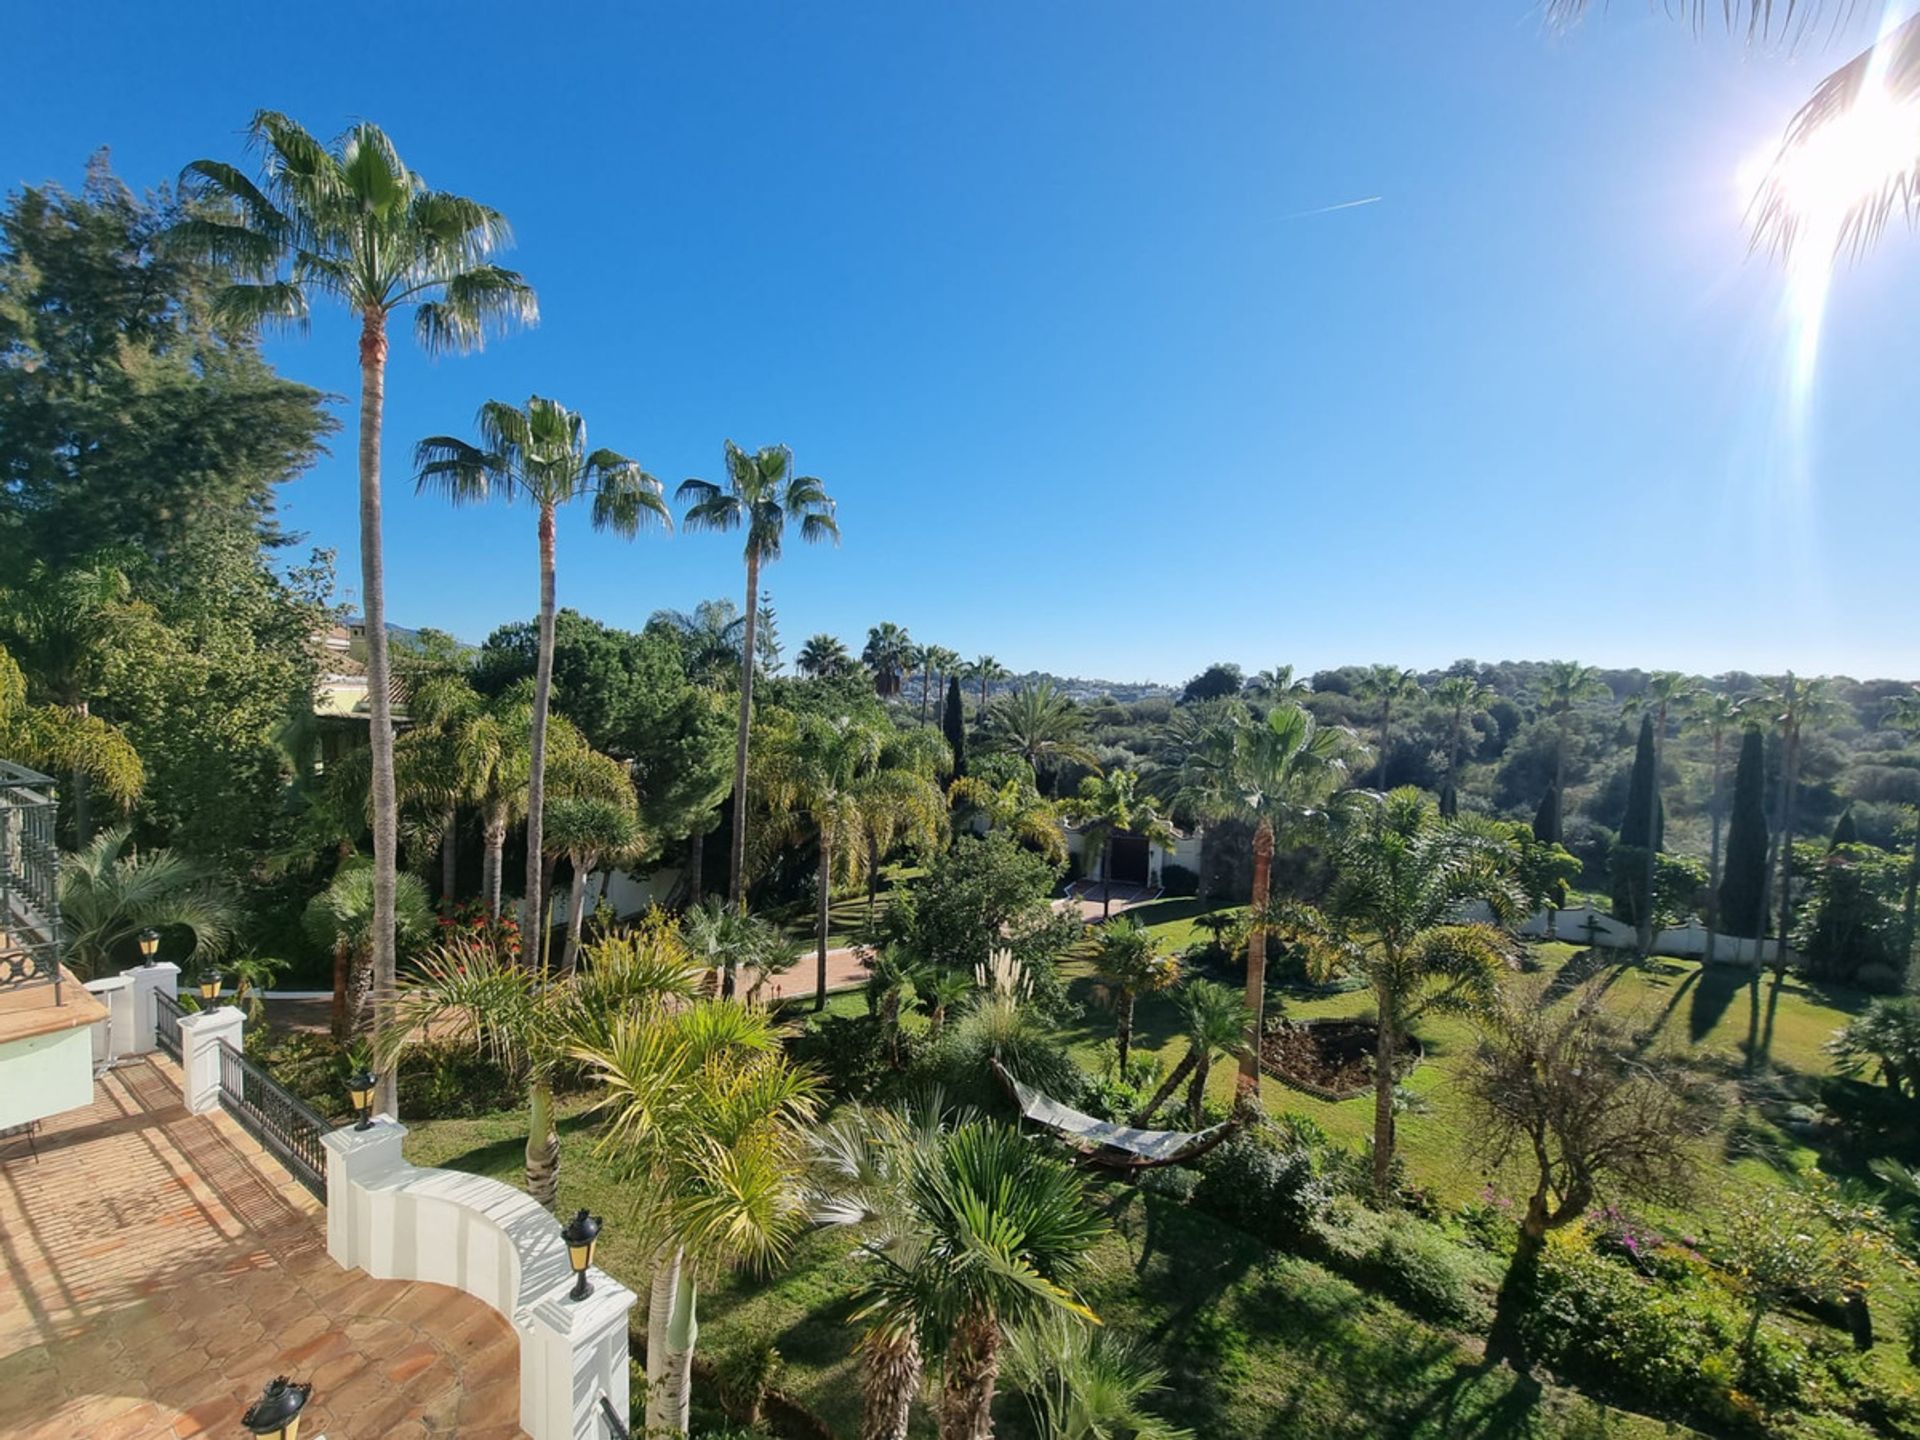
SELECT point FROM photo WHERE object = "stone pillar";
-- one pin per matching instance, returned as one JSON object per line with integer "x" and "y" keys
{"x": 355, "y": 1157}
{"x": 113, "y": 1036}
{"x": 162, "y": 978}
{"x": 573, "y": 1352}
{"x": 201, "y": 1036}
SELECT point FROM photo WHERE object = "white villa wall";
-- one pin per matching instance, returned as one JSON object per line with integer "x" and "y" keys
{"x": 42, "y": 1075}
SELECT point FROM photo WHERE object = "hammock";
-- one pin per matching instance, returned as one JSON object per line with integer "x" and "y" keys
{"x": 1113, "y": 1147}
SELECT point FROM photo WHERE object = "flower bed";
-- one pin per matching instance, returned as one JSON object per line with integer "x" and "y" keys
{"x": 1330, "y": 1059}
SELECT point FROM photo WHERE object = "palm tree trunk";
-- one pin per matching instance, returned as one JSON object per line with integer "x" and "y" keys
{"x": 1383, "y": 1111}
{"x": 495, "y": 850}
{"x": 1249, "y": 1084}
{"x": 82, "y": 792}
{"x": 826, "y": 900}
{"x": 696, "y": 855}
{"x": 531, "y": 911}
{"x": 1386, "y": 723}
{"x": 1713, "y": 854}
{"x": 1167, "y": 1086}
{"x": 672, "y": 1329}
{"x": 337, "y": 1021}
{"x": 1123, "y": 1028}
{"x": 1106, "y": 889}
{"x": 543, "y": 1145}
{"x": 449, "y": 857}
{"x": 360, "y": 986}
{"x": 576, "y": 914}
{"x": 966, "y": 1390}
{"x": 373, "y": 594}
{"x": 737, "y": 859}
{"x": 873, "y": 876}
{"x": 889, "y": 1379}
{"x": 1197, "y": 1091}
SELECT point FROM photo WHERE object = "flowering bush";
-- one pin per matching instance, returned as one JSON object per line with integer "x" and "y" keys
{"x": 469, "y": 920}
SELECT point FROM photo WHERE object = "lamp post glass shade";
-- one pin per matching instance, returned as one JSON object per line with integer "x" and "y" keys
{"x": 149, "y": 942}
{"x": 277, "y": 1412}
{"x": 360, "y": 1087}
{"x": 580, "y": 1234}
{"x": 210, "y": 986}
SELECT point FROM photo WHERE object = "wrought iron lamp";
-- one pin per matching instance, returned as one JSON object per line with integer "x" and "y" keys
{"x": 580, "y": 1234}
{"x": 360, "y": 1087}
{"x": 276, "y": 1414}
{"x": 149, "y": 942}
{"x": 210, "y": 988}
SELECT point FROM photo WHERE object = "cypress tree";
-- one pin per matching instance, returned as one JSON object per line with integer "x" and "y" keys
{"x": 953, "y": 723}
{"x": 1743, "y": 887}
{"x": 1845, "y": 831}
{"x": 1640, "y": 831}
{"x": 1449, "y": 800}
{"x": 1546, "y": 820}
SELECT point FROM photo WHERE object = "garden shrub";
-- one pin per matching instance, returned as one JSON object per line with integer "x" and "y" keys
{"x": 1172, "y": 1182}
{"x": 1179, "y": 880}
{"x": 850, "y": 1052}
{"x": 449, "y": 1082}
{"x": 1416, "y": 1265}
{"x": 1025, "y": 1045}
{"x": 1267, "y": 1191}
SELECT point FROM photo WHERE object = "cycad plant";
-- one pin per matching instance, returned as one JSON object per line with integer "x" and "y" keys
{"x": 466, "y": 990}
{"x": 341, "y": 920}
{"x": 762, "y": 494}
{"x": 110, "y": 892}
{"x": 350, "y": 222}
{"x": 539, "y": 453}
{"x": 706, "y": 1118}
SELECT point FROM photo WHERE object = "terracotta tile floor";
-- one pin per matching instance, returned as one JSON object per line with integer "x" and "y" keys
{"x": 157, "y": 1268}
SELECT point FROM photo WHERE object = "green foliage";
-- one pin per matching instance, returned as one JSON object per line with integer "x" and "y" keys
{"x": 1000, "y": 1029}
{"x": 1850, "y": 918}
{"x": 1743, "y": 885}
{"x": 1643, "y": 829}
{"x": 852, "y": 1054}
{"x": 1178, "y": 880}
{"x": 110, "y": 892}
{"x": 1413, "y": 1263}
{"x": 953, "y": 725}
{"x": 989, "y": 892}
{"x": 1266, "y": 1189}
{"x": 1883, "y": 1039}
{"x": 1217, "y": 682}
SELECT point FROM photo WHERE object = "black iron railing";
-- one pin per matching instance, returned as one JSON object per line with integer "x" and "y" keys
{"x": 275, "y": 1117}
{"x": 615, "y": 1425}
{"x": 166, "y": 1023}
{"x": 29, "y": 881}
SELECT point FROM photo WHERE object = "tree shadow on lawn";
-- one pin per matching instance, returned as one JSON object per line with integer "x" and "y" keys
{"x": 1171, "y": 909}
{"x": 506, "y": 1158}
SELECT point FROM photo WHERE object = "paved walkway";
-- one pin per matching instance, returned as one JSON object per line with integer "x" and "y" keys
{"x": 156, "y": 1269}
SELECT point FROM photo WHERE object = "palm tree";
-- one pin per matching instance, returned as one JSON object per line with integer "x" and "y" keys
{"x": 1401, "y": 878}
{"x": 944, "y": 663}
{"x": 1667, "y": 692}
{"x": 1798, "y": 705}
{"x": 978, "y": 1234}
{"x": 539, "y": 454}
{"x": 1086, "y": 1384}
{"x": 823, "y": 656}
{"x": 761, "y": 495}
{"x": 725, "y": 942}
{"x": 55, "y": 739}
{"x": 986, "y": 670}
{"x": 1216, "y": 1022}
{"x": 109, "y": 893}
{"x": 351, "y": 222}
{"x": 341, "y": 919}
{"x": 707, "y": 1118}
{"x": 938, "y": 991}
{"x": 1563, "y": 685}
{"x": 1280, "y": 683}
{"x": 1714, "y": 714}
{"x": 1387, "y": 686}
{"x": 889, "y": 655}
{"x": 1276, "y": 774}
{"x": 1038, "y": 722}
{"x": 1002, "y": 790}
{"x": 434, "y": 763}
{"x": 1463, "y": 697}
{"x": 845, "y": 783}
{"x": 709, "y": 637}
{"x": 588, "y": 829}
{"x": 1129, "y": 965}
{"x": 468, "y": 991}
{"x": 1110, "y": 805}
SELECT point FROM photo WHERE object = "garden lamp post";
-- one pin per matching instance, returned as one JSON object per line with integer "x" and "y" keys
{"x": 360, "y": 1087}
{"x": 149, "y": 942}
{"x": 276, "y": 1414}
{"x": 580, "y": 1234}
{"x": 210, "y": 988}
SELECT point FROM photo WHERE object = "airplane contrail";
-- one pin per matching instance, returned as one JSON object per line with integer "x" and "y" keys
{"x": 1329, "y": 209}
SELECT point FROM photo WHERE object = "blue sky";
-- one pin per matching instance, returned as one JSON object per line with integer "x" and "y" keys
{"x": 1031, "y": 288}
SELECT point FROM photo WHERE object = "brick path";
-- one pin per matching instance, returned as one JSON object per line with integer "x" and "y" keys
{"x": 156, "y": 1269}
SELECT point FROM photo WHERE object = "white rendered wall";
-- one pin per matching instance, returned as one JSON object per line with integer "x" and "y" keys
{"x": 42, "y": 1075}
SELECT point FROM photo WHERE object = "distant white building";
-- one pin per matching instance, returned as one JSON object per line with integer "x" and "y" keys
{"x": 1136, "y": 859}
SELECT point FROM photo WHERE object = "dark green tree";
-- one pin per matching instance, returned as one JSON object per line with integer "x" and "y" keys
{"x": 1642, "y": 830}
{"x": 953, "y": 725}
{"x": 1743, "y": 889}
{"x": 1216, "y": 682}
{"x": 1845, "y": 831}
{"x": 1546, "y": 819}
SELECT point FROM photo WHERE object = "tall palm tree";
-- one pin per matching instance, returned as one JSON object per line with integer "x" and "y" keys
{"x": 467, "y": 991}
{"x": 340, "y": 919}
{"x": 1799, "y": 704}
{"x": 55, "y": 739}
{"x": 986, "y": 670}
{"x": 823, "y": 656}
{"x": 844, "y": 782}
{"x": 351, "y": 222}
{"x": 1387, "y": 686}
{"x": 109, "y": 893}
{"x": 1392, "y": 918}
{"x": 760, "y": 496}
{"x": 1667, "y": 693}
{"x": 1280, "y": 683}
{"x": 1463, "y": 697}
{"x": 979, "y": 1234}
{"x": 1039, "y": 722}
{"x": 538, "y": 453}
{"x": 924, "y": 657}
{"x": 1128, "y": 964}
{"x": 1277, "y": 774}
{"x": 888, "y": 653}
{"x": 1215, "y": 1021}
{"x": 708, "y": 1119}
{"x": 1563, "y": 686}
{"x": 1116, "y": 804}
{"x": 944, "y": 662}
{"x": 588, "y": 830}
{"x": 1714, "y": 714}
